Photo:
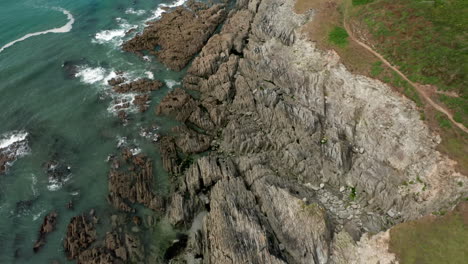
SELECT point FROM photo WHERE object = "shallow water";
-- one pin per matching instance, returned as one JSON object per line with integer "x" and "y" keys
{"x": 71, "y": 120}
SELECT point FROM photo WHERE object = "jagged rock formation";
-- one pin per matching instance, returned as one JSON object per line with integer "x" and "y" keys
{"x": 48, "y": 225}
{"x": 179, "y": 34}
{"x": 142, "y": 88}
{"x": 130, "y": 181}
{"x": 309, "y": 156}
{"x": 81, "y": 233}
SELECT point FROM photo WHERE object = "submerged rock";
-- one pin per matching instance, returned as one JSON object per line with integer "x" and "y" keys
{"x": 47, "y": 227}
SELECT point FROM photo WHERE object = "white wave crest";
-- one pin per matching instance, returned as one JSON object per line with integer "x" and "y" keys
{"x": 38, "y": 215}
{"x": 162, "y": 8}
{"x": 150, "y": 75}
{"x": 132, "y": 11}
{"x": 171, "y": 83}
{"x": 55, "y": 184}
{"x": 114, "y": 36}
{"x": 11, "y": 138}
{"x": 64, "y": 29}
{"x": 92, "y": 75}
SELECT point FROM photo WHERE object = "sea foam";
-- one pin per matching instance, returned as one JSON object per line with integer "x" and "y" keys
{"x": 114, "y": 36}
{"x": 66, "y": 28}
{"x": 132, "y": 11}
{"x": 162, "y": 9}
{"x": 10, "y": 138}
{"x": 171, "y": 83}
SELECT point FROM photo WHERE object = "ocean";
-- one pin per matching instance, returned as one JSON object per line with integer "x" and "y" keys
{"x": 56, "y": 57}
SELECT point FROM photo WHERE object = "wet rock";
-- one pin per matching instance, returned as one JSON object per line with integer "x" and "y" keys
{"x": 116, "y": 81}
{"x": 134, "y": 185}
{"x": 57, "y": 171}
{"x": 48, "y": 225}
{"x": 4, "y": 160}
{"x": 179, "y": 34}
{"x": 138, "y": 86}
{"x": 81, "y": 233}
{"x": 69, "y": 205}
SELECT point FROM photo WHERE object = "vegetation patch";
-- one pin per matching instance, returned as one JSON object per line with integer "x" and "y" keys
{"x": 459, "y": 106}
{"x": 433, "y": 240}
{"x": 443, "y": 121}
{"x": 376, "y": 69}
{"x": 362, "y": 2}
{"x": 338, "y": 36}
{"x": 427, "y": 40}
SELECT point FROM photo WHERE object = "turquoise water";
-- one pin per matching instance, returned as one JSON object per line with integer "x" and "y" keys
{"x": 67, "y": 119}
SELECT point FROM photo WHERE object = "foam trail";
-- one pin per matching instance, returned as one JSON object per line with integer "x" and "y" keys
{"x": 66, "y": 28}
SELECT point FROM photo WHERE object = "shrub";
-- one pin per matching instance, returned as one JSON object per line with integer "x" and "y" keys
{"x": 338, "y": 36}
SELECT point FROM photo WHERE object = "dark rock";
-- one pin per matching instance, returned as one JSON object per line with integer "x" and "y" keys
{"x": 81, "y": 233}
{"x": 131, "y": 186}
{"x": 169, "y": 155}
{"x": 177, "y": 247}
{"x": 48, "y": 225}
{"x": 138, "y": 86}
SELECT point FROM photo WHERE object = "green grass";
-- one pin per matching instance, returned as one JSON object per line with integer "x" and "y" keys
{"x": 338, "y": 36}
{"x": 431, "y": 241}
{"x": 408, "y": 90}
{"x": 352, "y": 194}
{"x": 362, "y": 2}
{"x": 426, "y": 39}
{"x": 459, "y": 106}
{"x": 443, "y": 121}
{"x": 376, "y": 69}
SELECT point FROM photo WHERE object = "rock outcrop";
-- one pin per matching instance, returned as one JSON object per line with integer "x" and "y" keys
{"x": 178, "y": 35}
{"x": 318, "y": 156}
{"x": 48, "y": 225}
{"x": 81, "y": 233}
{"x": 131, "y": 181}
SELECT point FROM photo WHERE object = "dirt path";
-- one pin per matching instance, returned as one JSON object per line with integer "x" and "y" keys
{"x": 416, "y": 86}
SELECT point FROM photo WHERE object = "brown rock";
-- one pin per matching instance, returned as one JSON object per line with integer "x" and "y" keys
{"x": 138, "y": 86}
{"x": 4, "y": 159}
{"x": 48, "y": 226}
{"x": 169, "y": 155}
{"x": 133, "y": 185}
{"x": 80, "y": 234}
{"x": 178, "y": 104}
{"x": 116, "y": 81}
{"x": 180, "y": 34}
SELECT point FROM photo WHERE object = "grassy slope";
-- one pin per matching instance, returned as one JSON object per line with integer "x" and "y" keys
{"x": 428, "y": 40}
{"x": 433, "y": 240}
{"x": 429, "y": 43}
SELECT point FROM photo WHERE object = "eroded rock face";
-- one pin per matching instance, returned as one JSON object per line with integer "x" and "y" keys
{"x": 141, "y": 87}
{"x": 81, "y": 233}
{"x": 179, "y": 35}
{"x": 234, "y": 230}
{"x": 47, "y": 227}
{"x": 138, "y": 86}
{"x": 130, "y": 181}
{"x": 317, "y": 152}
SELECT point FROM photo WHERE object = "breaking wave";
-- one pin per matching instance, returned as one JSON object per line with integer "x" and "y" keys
{"x": 64, "y": 29}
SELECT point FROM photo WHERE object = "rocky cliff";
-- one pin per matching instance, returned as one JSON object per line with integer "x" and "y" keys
{"x": 306, "y": 158}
